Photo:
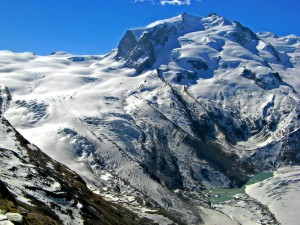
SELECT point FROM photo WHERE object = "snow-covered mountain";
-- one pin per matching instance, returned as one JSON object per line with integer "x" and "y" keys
{"x": 181, "y": 105}
{"x": 35, "y": 189}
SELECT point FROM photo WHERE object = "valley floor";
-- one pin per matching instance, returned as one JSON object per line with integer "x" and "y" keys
{"x": 274, "y": 200}
{"x": 281, "y": 194}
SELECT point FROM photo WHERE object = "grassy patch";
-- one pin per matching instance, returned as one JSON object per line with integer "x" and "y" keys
{"x": 39, "y": 219}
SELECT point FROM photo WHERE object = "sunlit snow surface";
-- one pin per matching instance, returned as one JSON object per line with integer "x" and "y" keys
{"x": 281, "y": 194}
{"x": 93, "y": 114}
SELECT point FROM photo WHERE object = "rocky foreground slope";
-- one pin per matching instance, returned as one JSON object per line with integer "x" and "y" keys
{"x": 181, "y": 105}
{"x": 35, "y": 189}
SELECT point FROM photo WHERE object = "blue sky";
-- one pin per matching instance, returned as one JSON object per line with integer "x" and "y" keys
{"x": 96, "y": 26}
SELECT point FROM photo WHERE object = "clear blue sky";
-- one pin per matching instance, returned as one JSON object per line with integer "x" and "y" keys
{"x": 96, "y": 26}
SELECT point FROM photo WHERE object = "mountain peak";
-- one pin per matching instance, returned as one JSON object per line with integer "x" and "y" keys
{"x": 266, "y": 34}
{"x": 212, "y": 14}
{"x": 140, "y": 47}
{"x": 188, "y": 21}
{"x": 186, "y": 15}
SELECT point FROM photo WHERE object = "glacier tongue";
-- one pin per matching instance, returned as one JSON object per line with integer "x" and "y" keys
{"x": 280, "y": 193}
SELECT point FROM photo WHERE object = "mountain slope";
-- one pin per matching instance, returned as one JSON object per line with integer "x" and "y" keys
{"x": 48, "y": 191}
{"x": 280, "y": 193}
{"x": 234, "y": 79}
{"x": 181, "y": 105}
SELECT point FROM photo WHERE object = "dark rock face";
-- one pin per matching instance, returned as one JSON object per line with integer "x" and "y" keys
{"x": 291, "y": 149}
{"x": 198, "y": 64}
{"x": 162, "y": 166}
{"x": 136, "y": 54}
{"x": 126, "y": 45}
{"x": 140, "y": 54}
{"x": 248, "y": 74}
{"x": 5, "y": 193}
{"x": 243, "y": 34}
{"x": 265, "y": 81}
{"x": 269, "y": 81}
{"x": 162, "y": 34}
{"x": 5, "y": 98}
{"x": 274, "y": 52}
{"x": 185, "y": 74}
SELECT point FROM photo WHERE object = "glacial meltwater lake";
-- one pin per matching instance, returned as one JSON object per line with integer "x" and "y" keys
{"x": 216, "y": 196}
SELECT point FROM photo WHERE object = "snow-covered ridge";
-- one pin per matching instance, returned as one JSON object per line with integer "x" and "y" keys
{"x": 40, "y": 188}
{"x": 182, "y": 21}
{"x": 280, "y": 193}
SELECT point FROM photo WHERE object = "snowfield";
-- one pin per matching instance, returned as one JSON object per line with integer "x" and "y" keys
{"x": 281, "y": 194}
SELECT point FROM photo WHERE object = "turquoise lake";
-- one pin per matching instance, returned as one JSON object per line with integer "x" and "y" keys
{"x": 221, "y": 195}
